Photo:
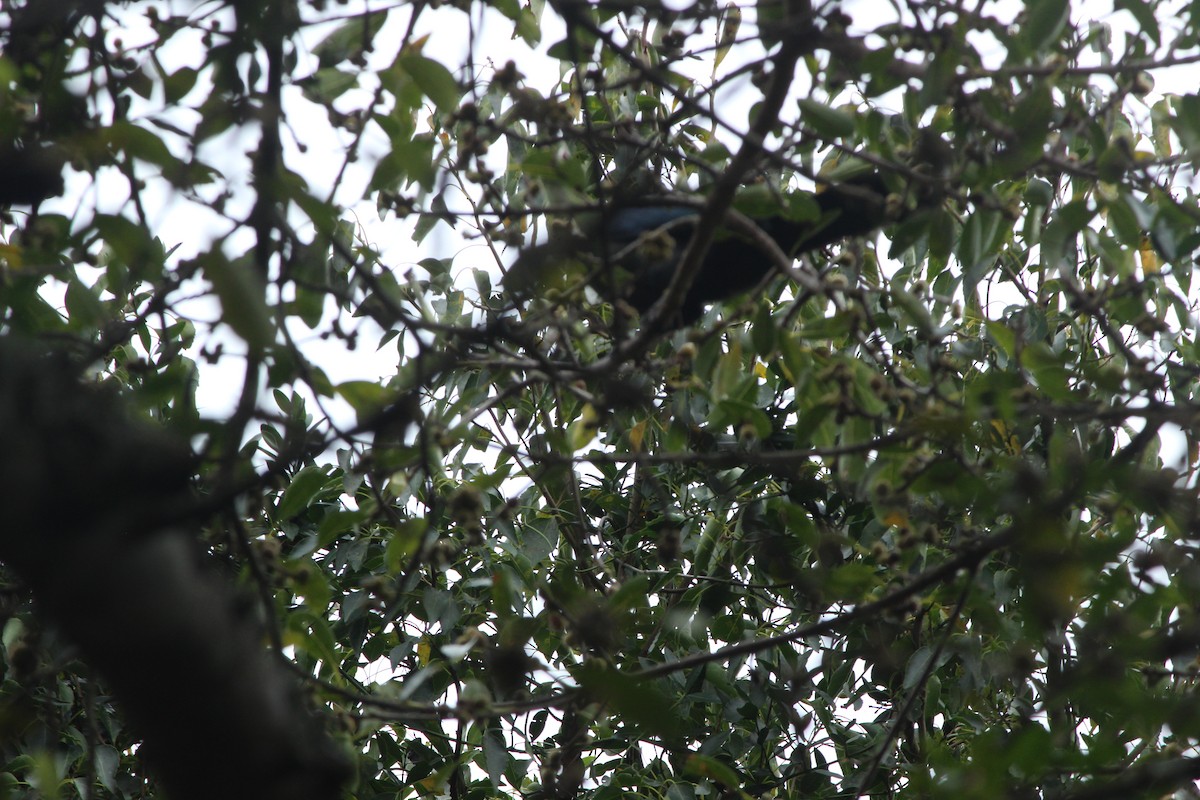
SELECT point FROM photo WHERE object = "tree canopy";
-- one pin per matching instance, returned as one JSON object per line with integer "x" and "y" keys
{"x": 303, "y": 499}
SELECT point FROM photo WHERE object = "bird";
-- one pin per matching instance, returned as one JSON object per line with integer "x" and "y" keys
{"x": 29, "y": 175}
{"x": 646, "y": 240}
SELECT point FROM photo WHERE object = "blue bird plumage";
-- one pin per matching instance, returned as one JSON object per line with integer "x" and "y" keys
{"x": 627, "y": 224}
{"x": 646, "y": 242}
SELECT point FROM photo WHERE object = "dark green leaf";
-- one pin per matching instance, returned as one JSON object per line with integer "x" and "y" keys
{"x": 243, "y": 304}
{"x": 826, "y": 121}
{"x": 642, "y": 703}
{"x": 1044, "y": 24}
{"x": 301, "y": 489}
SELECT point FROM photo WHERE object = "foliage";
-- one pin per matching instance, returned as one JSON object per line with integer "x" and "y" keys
{"x": 923, "y": 525}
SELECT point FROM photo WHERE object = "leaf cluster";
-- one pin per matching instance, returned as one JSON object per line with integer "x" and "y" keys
{"x": 917, "y": 519}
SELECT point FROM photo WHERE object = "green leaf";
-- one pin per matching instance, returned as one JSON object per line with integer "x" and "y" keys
{"x": 130, "y": 243}
{"x": 301, "y": 489}
{"x": 327, "y": 85}
{"x": 84, "y": 307}
{"x": 312, "y": 634}
{"x": 528, "y": 27}
{"x": 336, "y": 523}
{"x": 309, "y": 306}
{"x": 107, "y": 762}
{"x": 403, "y": 543}
{"x": 1044, "y": 23}
{"x": 914, "y": 308}
{"x": 410, "y": 160}
{"x": 242, "y": 295}
{"x": 979, "y": 244}
{"x": 1160, "y": 130}
{"x": 1004, "y": 336}
{"x": 1144, "y": 12}
{"x": 631, "y": 594}
{"x": 350, "y": 40}
{"x": 832, "y": 123}
{"x": 139, "y": 143}
{"x": 1048, "y": 370}
{"x": 708, "y": 768}
{"x": 851, "y": 582}
{"x": 1187, "y": 120}
{"x": 367, "y": 398}
{"x": 640, "y": 702}
{"x": 916, "y": 666}
{"x": 1058, "y": 240}
{"x": 177, "y": 85}
{"x": 140, "y": 82}
{"x": 496, "y": 756}
{"x": 434, "y": 80}
{"x": 1039, "y": 193}
{"x": 539, "y": 537}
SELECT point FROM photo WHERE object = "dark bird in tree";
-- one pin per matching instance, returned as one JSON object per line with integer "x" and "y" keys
{"x": 643, "y": 244}
{"x": 29, "y": 175}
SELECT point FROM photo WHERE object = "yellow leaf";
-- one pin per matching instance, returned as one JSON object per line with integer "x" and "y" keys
{"x": 1147, "y": 257}
{"x": 636, "y": 434}
{"x": 583, "y": 430}
{"x": 423, "y": 650}
{"x": 1011, "y": 443}
{"x": 731, "y": 22}
{"x": 12, "y": 255}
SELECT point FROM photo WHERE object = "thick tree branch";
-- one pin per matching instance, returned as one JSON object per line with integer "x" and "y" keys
{"x": 89, "y": 494}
